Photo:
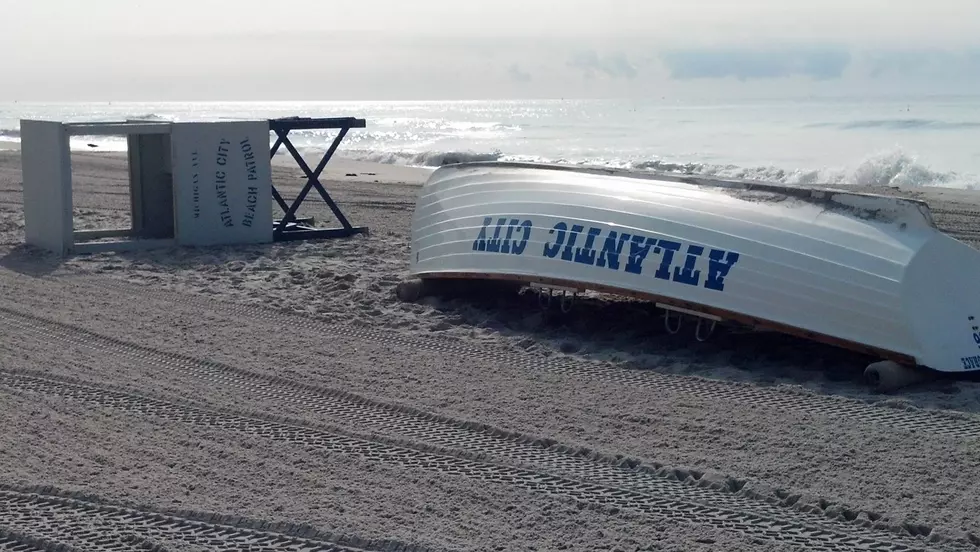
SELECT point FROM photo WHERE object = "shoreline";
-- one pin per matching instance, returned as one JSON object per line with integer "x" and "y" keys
{"x": 338, "y": 168}
{"x": 341, "y": 169}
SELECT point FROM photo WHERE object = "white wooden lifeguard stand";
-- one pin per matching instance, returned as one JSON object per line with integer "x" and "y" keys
{"x": 191, "y": 183}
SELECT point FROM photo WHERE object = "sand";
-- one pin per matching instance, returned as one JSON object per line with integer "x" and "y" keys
{"x": 773, "y": 439}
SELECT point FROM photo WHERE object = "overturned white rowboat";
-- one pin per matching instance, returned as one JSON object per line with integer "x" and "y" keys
{"x": 866, "y": 272}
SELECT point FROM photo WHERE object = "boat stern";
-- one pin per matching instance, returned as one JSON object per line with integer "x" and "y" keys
{"x": 941, "y": 298}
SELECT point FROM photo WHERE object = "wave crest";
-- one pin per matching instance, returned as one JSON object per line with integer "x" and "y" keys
{"x": 885, "y": 169}
{"x": 424, "y": 159}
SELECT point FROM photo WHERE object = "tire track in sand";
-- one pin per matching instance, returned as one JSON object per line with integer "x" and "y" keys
{"x": 351, "y": 410}
{"x": 956, "y": 213}
{"x": 609, "y": 499}
{"x": 933, "y": 422}
{"x": 44, "y": 518}
{"x": 12, "y": 541}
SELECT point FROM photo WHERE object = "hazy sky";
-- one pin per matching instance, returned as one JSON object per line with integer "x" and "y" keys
{"x": 445, "y": 49}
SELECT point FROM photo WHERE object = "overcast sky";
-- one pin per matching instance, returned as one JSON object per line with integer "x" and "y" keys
{"x": 473, "y": 49}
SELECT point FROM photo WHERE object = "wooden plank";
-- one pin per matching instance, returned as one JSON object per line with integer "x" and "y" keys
{"x": 107, "y": 233}
{"x": 308, "y": 123}
{"x": 46, "y": 162}
{"x": 115, "y": 129}
{"x": 135, "y": 183}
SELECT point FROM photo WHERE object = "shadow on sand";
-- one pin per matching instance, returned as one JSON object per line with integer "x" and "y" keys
{"x": 633, "y": 332}
{"x": 31, "y": 261}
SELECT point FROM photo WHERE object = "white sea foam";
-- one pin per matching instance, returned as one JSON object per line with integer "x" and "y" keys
{"x": 892, "y": 168}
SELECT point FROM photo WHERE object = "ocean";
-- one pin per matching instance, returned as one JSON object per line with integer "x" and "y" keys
{"x": 916, "y": 141}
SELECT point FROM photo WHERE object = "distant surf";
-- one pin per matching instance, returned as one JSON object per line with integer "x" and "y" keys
{"x": 900, "y": 124}
{"x": 912, "y": 141}
{"x": 894, "y": 168}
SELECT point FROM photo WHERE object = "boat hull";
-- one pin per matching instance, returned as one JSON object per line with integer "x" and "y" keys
{"x": 870, "y": 273}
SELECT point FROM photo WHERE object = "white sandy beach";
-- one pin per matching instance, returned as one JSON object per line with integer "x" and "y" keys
{"x": 287, "y": 384}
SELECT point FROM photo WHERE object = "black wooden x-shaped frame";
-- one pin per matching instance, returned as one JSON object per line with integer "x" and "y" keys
{"x": 289, "y": 227}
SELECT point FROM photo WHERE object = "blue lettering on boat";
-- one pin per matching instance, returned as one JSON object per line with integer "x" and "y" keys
{"x": 669, "y": 248}
{"x": 515, "y": 239}
{"x": 567, "y": 252}
{"x": 684, "y": 263}
{"x": 639, "y": 249}
{"x": 971, "y": 362}
{"x": 611, "y": 249}
{"x": 678, "y": 262}
{"x": 719, "y": 263}
{"x": 687, "y": 274}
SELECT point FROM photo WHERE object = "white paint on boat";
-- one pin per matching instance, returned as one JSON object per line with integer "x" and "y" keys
{"x": 858, "y": 268}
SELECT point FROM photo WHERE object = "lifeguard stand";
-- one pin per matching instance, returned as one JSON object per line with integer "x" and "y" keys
{"x": 194, "y": 183}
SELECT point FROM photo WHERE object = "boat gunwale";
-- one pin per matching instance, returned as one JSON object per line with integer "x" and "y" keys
{"x": 754, "y": 322}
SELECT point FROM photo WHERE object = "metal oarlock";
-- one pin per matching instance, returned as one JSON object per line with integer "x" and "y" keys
{"x": 672, "y": 331}
{"x": 711, "y": 330}
{"x": 700, "y": 333}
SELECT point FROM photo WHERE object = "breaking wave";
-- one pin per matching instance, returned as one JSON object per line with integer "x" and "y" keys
{"x": 423, "y": 159}
{"x": 885, "y": 169}
{"x": 892, "y": 168}
{"x": 880, "y": 170}
{"x": 149, "y": 117}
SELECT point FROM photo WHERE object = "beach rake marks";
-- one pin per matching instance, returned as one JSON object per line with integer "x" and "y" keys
{"x": 612, "y": 500}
